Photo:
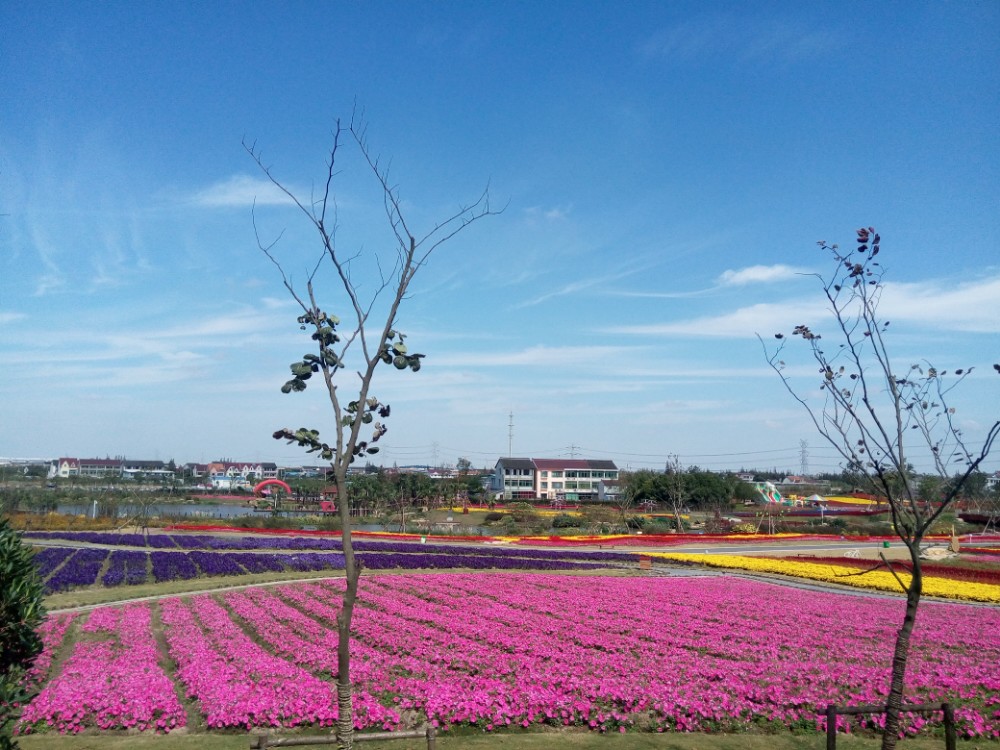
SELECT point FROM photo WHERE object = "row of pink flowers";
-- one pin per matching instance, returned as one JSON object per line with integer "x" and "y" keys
{"x": 52, "y": 631}
{"x": 112, "y": 680}
{"x": 237, "y": 682}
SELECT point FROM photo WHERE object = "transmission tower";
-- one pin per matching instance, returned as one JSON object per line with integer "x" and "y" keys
{"x": 804, "y": 458}
{"x": 510, "y": 435}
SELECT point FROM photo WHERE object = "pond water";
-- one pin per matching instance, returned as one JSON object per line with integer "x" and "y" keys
{"x": 207, "y": 510}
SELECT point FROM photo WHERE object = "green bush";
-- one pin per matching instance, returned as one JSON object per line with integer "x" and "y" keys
{"x": 636, "y": 523}
{"x": 565, "y": 521}
{"x": 21, "y": 614}
{"x": 523, "y": 513}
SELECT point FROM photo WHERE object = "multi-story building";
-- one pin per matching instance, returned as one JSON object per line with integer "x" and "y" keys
{"x": 115, "y": 468}
{"x": 514, "y": 479}
{"x": 558, "y": 479}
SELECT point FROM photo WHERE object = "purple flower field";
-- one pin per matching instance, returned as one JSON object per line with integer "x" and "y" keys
{"x": 177, "y": 557}
{"x": 516, "y": 650}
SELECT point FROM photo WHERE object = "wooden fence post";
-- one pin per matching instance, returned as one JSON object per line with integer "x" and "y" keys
{"x": 831, "y": 727}
{"x": 949, "y": 726}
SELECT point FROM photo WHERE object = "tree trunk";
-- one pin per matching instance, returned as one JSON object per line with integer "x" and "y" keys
{"x": 345, "y": 706}
{"x": 901, "y": 653}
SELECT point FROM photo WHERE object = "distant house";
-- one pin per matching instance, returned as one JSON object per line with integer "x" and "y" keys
{"x": 514, "y": 479}
{"x": 792, "y": 481}
{"x": 146, "y": 469}
{"x": 65, "y": 468}
{"x": 993, "y": 481}
{"x": 567, "y": 480}
{"x": 231, "y": 475}
{"x": 195, "y": 470}
{"x": 86, "y": 467}
{"x": 307, "y": 472}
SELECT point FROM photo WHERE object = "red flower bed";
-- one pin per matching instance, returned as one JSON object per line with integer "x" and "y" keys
{"x": 936, "y": 569}
{"x": 992, "y": 551}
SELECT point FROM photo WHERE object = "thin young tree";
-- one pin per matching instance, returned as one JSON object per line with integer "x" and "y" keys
{"x": 369, "y": 342}
{"x": 881, "y": 419}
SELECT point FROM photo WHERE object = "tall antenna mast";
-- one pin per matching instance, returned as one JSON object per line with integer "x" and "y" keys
{"x": 510, "y": 435}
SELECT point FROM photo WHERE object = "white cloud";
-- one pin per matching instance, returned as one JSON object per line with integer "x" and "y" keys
{"x": 555, "y": 213}
{"x": 972, "y": 306}
{"x": 758, "y": 275}
{"x": 10, "y": 317}
{"x": 241, "y": 191}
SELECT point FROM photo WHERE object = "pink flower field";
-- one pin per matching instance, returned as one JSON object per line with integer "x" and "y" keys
{"x": 516, "y": 649}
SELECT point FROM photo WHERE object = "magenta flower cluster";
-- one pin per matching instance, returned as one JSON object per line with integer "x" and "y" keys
{"x": 112, "y": 680}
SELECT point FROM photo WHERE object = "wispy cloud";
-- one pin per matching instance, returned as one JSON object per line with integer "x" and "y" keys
{"x": 575, "y": 287}
{"x": 740, "y": 38}
{"x": 758, "y": 275}
{"x": 726, "y": 280}
{"x": 10, "y": 317}
{"x": 741, "y": 323}
{"x": 972, "y": 307}
{"x": 539, "y": 356}
{"x": 240, "y": 191}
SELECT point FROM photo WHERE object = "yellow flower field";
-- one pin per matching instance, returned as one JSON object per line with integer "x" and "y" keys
{"x": 847, "y": 500}
{"x": 881, "y": 580}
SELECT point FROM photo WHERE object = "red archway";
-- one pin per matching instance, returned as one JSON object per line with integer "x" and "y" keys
{"x": 259, "y": 489}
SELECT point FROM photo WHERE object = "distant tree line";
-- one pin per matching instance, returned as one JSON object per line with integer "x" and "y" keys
{"x": 695, "y": 488}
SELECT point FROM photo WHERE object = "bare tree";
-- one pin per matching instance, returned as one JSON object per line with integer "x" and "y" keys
{"x": 677, "y": 489}
{"x": 880, "y": 419}
{"x": 362, "y": 345}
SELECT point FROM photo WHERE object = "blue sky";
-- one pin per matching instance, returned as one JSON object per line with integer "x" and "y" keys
{"x": 667, "y": 170}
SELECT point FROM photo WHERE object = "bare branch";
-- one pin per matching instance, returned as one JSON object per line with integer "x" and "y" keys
{"x": 895, "y": 575}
